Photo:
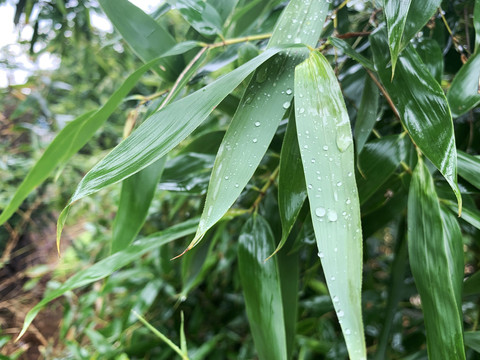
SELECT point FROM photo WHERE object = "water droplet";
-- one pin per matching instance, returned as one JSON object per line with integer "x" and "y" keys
{"x": 348, "y": 201}
{"x": 226, "y": 177}
{"x": 339, "y": 183}
{"x": 310, "y": 186}
{"x": 320, "y": 211}
{"x": 183, "y": 298}
{"x": 332, "y": 278}
{"x": 305, "y": 146}
{"x": 340, "y": 313}
{"x": 257, "y": 124}
{"x": 236, "y": 185}
{"x": 321, "y": 255}
{"x": 313, "y": 161}
{"x": 286, "y": 104}
{"x": 301, "y": 111}
{"x": 343, "y": 142}
{"x": 347, "y": 332}
{"x": 255, "y": 140}
{"x": 288, "y": 92}
{"x": 325, "y": 148}
{"x": 332, "y": 215}
{"x": 336, "y": 249}
{"x": 336, "y": 299}
{"x": 349, "y": 174}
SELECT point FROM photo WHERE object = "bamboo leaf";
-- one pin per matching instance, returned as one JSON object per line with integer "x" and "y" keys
{"x": 378, "y": 161}
{"x": 160, "y": 133}
{"x": 396, "y": 14}
{"x": 261, "y": 288}
{"x": 201, "y": 15}
{"x": 367, "y": 114}
{"x": 292, "y": 190}
{"x": 107, "y": 266}
{"x": 427, "y": 118}
{"x": 144, "y": 35}
{"x": 347, "y": 49}
{"x": 469, "y": 168}
{"x": 471, "y": 216}
{"x": 135, "y": 198}
{"x": 432, "y": 57}
{"x": 419, "y": 13}
{"x": 472, "y": 340}
{"x": 263, "y": 105}
{"x": 325, "y": 141}
{"x": 77, "y": 133}
{"x": 435, "y": 248}
{"x": 464, "y": 92}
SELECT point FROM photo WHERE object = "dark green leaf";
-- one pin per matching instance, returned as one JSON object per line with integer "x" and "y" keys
{"x": 434, "y": 245}
{"x": 418, "y": 15}
{"x": 347, "y": 49}
{"x": 432, "y": 57}
{"x": 422, "y": 107}
{"x": 396, "y": 14}
{"x": 476, "y": 24}
{"x": 367, "y": 114}
{"x": 469, "y": 168}
{"x": 135, "y": 198}
{"x": 261, "y": 288}
{"x": 464, "y": 92}
{"x": 472, "y": 340}
{"x": 201, "y": 15}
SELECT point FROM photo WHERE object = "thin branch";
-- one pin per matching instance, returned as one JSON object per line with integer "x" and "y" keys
{"x": 384, "y": 92}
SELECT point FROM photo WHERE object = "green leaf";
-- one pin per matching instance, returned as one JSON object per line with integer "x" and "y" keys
{"x": 422, "y": 107}
{"x": 347, "y": 49}
{"x": 471, "y": 216}
{"x": 472, "y": 340}
{"x": 326, "y": 146}
{"x": 464, "y": 92}
{"x": 201, "y": 15}
{"x": 472, "y": 285}
{"x": 160, "y": 133}
{"x": 367, "y": 114}
{"x": 378, "y": 161}
{"x": 469, "y": 168}
{"x": 292, "y": 190}
{"x": 396, "y": 14}
{"x": 107, "y": 266}
{"x": 135, "y": 198}
{"x": 261, "y": 288}
{"x": 476, "y": 24}
{"x": 263, "y": 105}
{"x": 418, "y": 15}
{"x": 76, "y": 134}
{"x": 435, "y": 248}
{"x": 432, "y": 57}
{"x": 144, "y": 35}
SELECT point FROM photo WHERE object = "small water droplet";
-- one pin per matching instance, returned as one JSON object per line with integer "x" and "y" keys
{"x": 286, "y": 104}
{"x": 340, "y": 313}
{"x": 332, "y": 278}
{"x": 310, "y": 186}
{"x": 257, "y": 124}
{"x": 325, "y": 148}
{"x": 321, "y": 255}
{"x": 348, "y": 201}
{"x": 349, "y": 174}
{"x": 255, "y": 140}
{"x": 336, "y": 299}
{"x": 226, "y": 177}
{"x": 332, "y": 215}
{"x": 320, "y": 211}
{"x": 347, "y": 332}
{"x": 313, "y": 161}
{"x": 301, "y": 111}
{"x": 343, "y": 142}
{"x": 288, "y": 92}
{"x": 236, "y": 185}
{"x": 339, "y": 183}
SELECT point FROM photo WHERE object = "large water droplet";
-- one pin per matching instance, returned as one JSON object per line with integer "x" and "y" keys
{"x": 332, "y": 215}
{"x": 320, "y": 211}
{"x": 321, "y": 255}
{"x": 325, "y": 148}
{"x": 257, "y": 124}
{"x": 255, "y": 140}
{"x": 286, "y": 104}
{"x": 289, "y": 91}
{"x": 343, "y": 142}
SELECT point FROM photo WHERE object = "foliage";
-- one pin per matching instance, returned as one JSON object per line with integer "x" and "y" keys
{"x": 250, "y": 113}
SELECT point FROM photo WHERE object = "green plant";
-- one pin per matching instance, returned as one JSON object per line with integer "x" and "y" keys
{"x": 275, "y": 130}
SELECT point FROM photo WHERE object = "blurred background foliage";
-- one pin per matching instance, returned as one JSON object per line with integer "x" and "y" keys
{"x": 96, "y": 322}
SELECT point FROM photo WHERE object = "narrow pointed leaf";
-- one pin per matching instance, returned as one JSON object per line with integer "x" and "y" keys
{"x": 77, "y": 133}
{"x": 434, "y": 247}
{"x": 326, "y": 147}
{"x": 464, "y": 92}
{"x": 201, "y": 15}
{"x": 472, "y": 340}
{"x": 367, "y": 114}
{"x": 419, "y": 13}
{"x": 396, "y": 14}
{"x": 144, "y": 35}
{"x": 378, "y": 161}
{"x": 292, "y": 190}
{"x": 432, "y": 57}
{"x": 160, "y": 133}
{"x": 422, "y": 107}
{"x": 263, "y": 105}
{"x": 107, "y": 266}
{"x": 471, "y": 216}
{"x": 135, "y": 198}
{"x": 472, "y": 285}
{"x": 469, "y": 168}
{"x": 348, "y": 50}
{"x": 261, "y": 288}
